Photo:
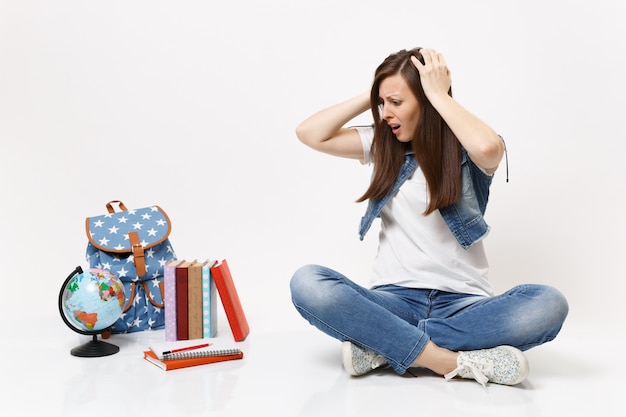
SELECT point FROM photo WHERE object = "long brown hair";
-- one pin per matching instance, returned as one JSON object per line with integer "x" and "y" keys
{"x": 436, "y": 148}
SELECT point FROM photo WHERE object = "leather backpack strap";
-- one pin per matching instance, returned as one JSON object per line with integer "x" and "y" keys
{"x": 138, "y": 255}
{"x": 110, "y": 208}
{"x": 154, "y": 303}
{"x": 131, "y": 297}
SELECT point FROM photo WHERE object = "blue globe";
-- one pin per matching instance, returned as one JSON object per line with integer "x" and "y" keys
{"x": 91, "y": 300}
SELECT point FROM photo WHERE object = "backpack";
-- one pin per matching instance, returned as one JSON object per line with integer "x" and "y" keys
{"x": 134, "y": 245}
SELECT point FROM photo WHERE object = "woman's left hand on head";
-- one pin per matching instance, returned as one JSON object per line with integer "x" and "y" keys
{"x": 434, "y": 73}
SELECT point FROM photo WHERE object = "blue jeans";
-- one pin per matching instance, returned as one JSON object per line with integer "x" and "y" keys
{"x": 397, "y": 322}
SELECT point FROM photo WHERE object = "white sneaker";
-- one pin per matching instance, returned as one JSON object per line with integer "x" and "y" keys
{"x": 501, "y": 365}
{"x": 358, "y": 361}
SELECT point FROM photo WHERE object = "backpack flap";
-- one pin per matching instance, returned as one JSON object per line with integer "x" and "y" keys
{"x": 129, "y": 232}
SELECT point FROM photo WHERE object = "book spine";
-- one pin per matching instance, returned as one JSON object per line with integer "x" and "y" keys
{"x": 209, "y": 304}
{"x": 230, "y": 300}
{"x": 182, "y": 295}
{"x": 194, "y": 301}
{"x": 169, "y": 289}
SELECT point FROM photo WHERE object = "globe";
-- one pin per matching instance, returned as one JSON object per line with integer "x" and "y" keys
{"x": 90, "y": 302}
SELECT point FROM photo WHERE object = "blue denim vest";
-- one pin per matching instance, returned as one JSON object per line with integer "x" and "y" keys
{"x": 464, "y": 217}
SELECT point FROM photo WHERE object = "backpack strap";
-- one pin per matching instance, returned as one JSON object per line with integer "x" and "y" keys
{"x": 138, "y": 255}
{"x": 110, "y": 208}
{"x": 154, "y": 303}
{"x": 131, "y": 297}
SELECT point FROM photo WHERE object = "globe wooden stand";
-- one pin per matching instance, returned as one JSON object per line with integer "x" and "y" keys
{"x": 95, "y": 348}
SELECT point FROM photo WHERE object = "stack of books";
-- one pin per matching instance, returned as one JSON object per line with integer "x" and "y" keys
{"x": 191, "y": 301}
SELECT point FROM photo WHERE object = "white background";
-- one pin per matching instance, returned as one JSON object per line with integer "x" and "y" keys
{"x": 192, "y": 105}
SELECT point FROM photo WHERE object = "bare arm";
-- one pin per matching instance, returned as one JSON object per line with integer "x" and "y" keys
{"x": 324, "y": 130}
{"x": 482, "y": 143}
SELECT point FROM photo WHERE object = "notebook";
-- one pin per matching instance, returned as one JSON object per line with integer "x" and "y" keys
{"x": 187, "y": 359}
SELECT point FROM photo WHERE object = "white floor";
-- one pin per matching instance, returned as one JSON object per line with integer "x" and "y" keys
{"x": 293, "y": 372}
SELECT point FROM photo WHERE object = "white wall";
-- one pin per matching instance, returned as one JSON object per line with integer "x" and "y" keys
{"x": 192, "y": 105}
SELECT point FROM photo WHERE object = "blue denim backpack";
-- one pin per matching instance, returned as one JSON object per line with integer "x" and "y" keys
{"x": 134, "y": 245}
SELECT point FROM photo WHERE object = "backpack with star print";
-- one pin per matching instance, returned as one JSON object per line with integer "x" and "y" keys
{"x": 134, "y": 245}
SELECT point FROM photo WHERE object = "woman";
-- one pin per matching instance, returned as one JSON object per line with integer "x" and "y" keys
{"x": 430, "y": 304}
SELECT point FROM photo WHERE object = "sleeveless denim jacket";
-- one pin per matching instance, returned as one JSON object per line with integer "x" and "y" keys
{"x": 465, "y": 217}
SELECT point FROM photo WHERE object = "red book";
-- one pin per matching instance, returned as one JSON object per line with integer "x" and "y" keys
{"x": 230, "y": 300}
{"x": 182, "y": 297}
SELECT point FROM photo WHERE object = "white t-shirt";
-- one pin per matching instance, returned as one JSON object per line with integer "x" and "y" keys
{"x": 419, "y": 251}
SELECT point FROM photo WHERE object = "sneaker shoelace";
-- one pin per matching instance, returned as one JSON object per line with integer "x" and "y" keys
{"x": 477, "y": 369}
